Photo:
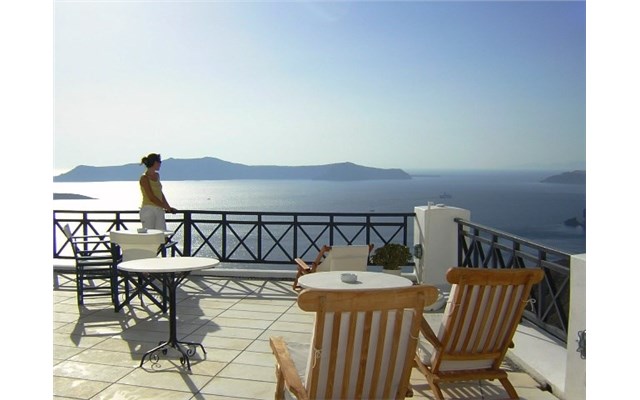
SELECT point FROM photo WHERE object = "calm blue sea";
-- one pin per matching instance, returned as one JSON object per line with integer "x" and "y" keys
{"x": 515, "y": 202}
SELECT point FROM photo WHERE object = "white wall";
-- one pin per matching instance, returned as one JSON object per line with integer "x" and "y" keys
{"x": 576, "y": 378}
{"x": 435, "y": 229}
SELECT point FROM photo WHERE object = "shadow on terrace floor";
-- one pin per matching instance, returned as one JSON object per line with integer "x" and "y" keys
{"x": 97, "y": 352}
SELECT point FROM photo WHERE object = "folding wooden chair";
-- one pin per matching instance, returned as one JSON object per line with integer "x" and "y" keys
{"x": 484, "y": 309}
{"x": 335, "y": 258}
{"x": 363, "y": 344}
{"x": 93, "y": 264}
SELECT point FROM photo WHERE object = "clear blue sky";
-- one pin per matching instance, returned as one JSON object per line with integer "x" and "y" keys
{"x": 414, "y": 85}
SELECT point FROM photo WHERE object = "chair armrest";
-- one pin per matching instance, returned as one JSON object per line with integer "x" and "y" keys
{"x": 320, "y": 256}
{"x": 429, "y": 335}
{"x": 94, "y": 254}
{"x": 96, "y": 246}
{"x": 287, "y": 367}
{"x": 80, "y": 241}
{"x": 101, "y": 237}
{"x": 91, "y": 247}
{"x": 170, "y": 244}
{"x": 302, "y": 266}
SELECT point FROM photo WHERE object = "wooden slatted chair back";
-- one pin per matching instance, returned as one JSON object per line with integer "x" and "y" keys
{"x": 345, "y": 258}
{"x": 364, "y": 342}
{"x": 481, "y": 316}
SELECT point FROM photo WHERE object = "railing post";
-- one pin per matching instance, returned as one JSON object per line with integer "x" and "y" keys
{"x": 460, "y": 244}
{"x": 494, "y": 252}
{"x": 295, "y": 236}
{"x": 368, "y": 230}
{"x": 223, "y": 222}
{"x": 259, "y": 244}
{"x": 186, "y": 244}
{"x": 85, "y": 223}
{"x": 515, "y": 258}
{"x": 405, "y": 236}
{"x": 55, "y": 242}
{"x": 118, "y": 222}
{"x": 331, "y": 226}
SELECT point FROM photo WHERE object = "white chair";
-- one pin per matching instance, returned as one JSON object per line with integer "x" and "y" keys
{"x": 335, "y": 258}
{"x": 128, "y": 246}
{"x": 137, "y": 246}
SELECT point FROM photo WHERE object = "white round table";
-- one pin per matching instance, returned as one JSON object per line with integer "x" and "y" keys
{"x": 147, "y": 232}
{"x": 365, "y": 280}
{"x": 163, "y": 265}
{"x": 172, "y": 271}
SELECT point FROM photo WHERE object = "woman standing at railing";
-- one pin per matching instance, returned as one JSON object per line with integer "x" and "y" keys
{"x": 154, "y": 202}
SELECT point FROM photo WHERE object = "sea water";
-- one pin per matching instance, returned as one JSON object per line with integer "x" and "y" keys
{"x": 516, "y": 202}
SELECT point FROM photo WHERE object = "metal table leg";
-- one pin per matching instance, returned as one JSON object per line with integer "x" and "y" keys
{"x": 172, "y": 280}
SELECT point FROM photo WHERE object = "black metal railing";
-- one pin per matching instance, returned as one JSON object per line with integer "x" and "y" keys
{"x": 483, "y": 247}
{"x": 277, "y": 238}
{"x": 248, "y": 237}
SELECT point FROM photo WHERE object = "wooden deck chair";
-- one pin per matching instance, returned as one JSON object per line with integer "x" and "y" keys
{"x": 483, "y": 311}
{"x": 128, "y": 247}
{"x": 335, "y": 258}
{"x": 363, "y": 344}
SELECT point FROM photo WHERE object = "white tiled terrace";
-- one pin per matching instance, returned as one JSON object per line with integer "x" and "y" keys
{"x": 97, "y": 352}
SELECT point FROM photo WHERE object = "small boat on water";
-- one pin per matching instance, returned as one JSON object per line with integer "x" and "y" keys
{"x": 445, "y": 195}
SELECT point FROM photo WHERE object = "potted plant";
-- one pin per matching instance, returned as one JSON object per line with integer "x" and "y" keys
{"x": 391, "y": 256}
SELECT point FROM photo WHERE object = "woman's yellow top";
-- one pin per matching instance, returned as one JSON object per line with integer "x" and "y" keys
{"x": 156, "y": 188}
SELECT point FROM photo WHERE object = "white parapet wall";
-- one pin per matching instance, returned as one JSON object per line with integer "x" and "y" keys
{"x": 575, "y": 384}
{"x": 437, "y": 232}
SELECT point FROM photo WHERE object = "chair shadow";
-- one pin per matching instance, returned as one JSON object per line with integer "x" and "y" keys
{"x": 238, "y": 288}
{"x": 142, "y": 325}
{"x": 471, "y": 390}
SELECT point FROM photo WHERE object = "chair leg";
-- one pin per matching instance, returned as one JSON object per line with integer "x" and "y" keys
{"x": 279, "y": 395}
{"x": 295, "y": 285}
{"x": 79, "y": 285}
{"x": 509, "y": 388}
{"x": 114, "y": 291}
{"x": 437, "y": 392}
{"x": 300, "y": 273}
{"x": 409, "y": 392}
{"x": 431, "y": 379}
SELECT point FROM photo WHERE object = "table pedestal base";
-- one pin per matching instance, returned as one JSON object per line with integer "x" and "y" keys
{"x": 171, "y": 271}
{"x": 172, "y": 280}
{"x": 163, "y": 346}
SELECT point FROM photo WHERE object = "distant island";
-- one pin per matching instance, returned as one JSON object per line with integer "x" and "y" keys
{"x": 210, "y": 168}
{"x": 578, "y": 177}
{"x": 578, "y": 222}
{"x": 71, "y": 196}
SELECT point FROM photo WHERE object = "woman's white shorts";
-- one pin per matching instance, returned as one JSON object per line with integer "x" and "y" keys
{"x": 152, "y": 217}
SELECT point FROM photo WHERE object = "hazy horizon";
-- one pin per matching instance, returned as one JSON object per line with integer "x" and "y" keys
{"x": 411, "y": 171}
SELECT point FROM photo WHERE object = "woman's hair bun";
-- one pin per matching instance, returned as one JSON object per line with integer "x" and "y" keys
{"x": 150, "y": 159}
